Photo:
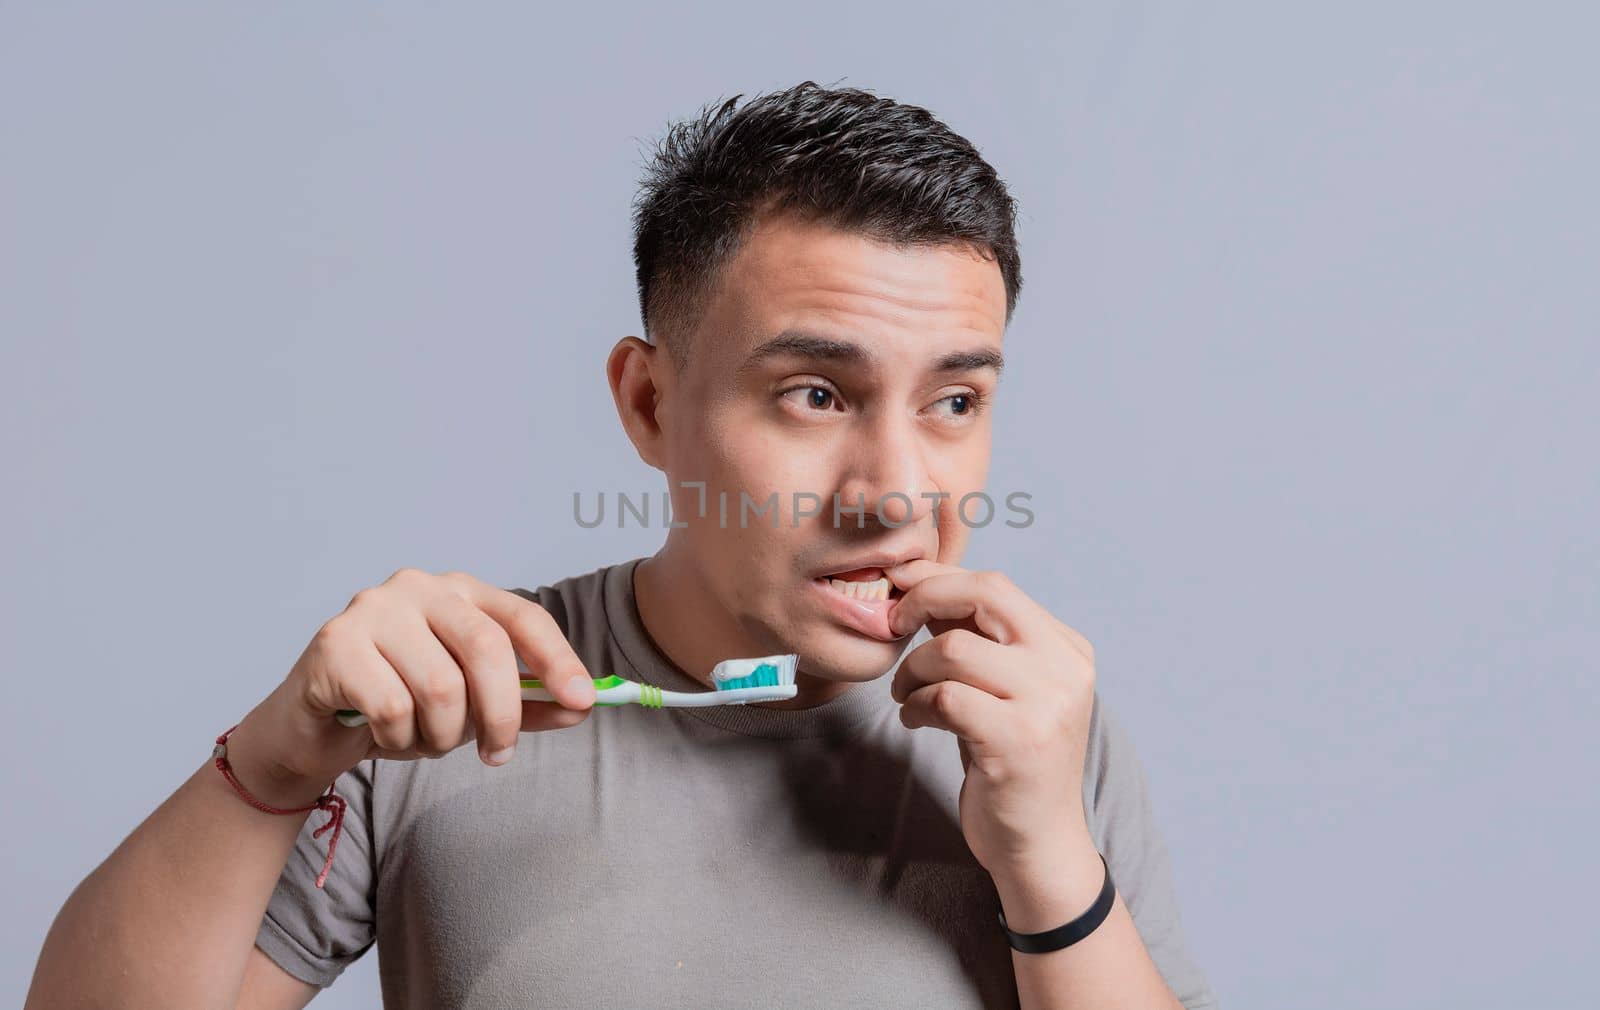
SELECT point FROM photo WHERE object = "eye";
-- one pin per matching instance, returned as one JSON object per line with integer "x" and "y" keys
{"x": 966, "y": 404}
{"x": 812, "y": 397}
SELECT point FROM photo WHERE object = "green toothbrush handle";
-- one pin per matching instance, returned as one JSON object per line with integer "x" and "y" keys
{"x": 532, "y": 690}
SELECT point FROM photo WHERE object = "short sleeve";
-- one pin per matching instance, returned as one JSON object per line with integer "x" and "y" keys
{"x": 315, "y": 933}
{"x": 1125, "y": 829}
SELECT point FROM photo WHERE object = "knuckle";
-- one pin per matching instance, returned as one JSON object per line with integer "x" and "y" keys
{"x": 484, "y": 642}
{"x": 437, "y": 690}
{"x": 536, "y": 621}
{"x": 502, "y": 726}
{"x": 486, "y": 634}
{"x": 946, "y": 701}
{"x": 504, "y": 720}
{"x": 364, "y": 597}
{"x": 335, "y": 630}
{"x": 406, "y": 575}
{"x": 994, "y": 579}
{"x": 458, "y": 584}
{"x": 954, "y": 647}
{"x": 392, "y": 710}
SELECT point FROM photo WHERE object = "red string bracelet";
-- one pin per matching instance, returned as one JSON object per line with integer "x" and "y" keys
{"x": 329, "y": 801}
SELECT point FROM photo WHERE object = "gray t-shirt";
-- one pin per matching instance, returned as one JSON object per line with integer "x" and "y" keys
{"x": 696, "y": 858}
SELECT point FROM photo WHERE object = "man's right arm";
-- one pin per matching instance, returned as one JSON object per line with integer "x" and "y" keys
{"x": 171, "y": 917}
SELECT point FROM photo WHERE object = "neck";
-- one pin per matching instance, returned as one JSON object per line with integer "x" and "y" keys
{"x": 687, "y": 625}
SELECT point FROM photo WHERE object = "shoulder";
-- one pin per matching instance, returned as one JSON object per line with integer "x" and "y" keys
{"x": 591, "y": 609}
{"x": 578, "y": 599}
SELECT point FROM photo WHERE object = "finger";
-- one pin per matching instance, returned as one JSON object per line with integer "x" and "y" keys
{"x": 488, "y": 669}
{"x": 541, "y": 644}
{"x": 430, "y": 648}
{"x": 909, "y": 573}
{"x": 371, "y": 686}
{"x": 973, "y": 715}
{"x": 537, "y": 717}
{"x": 987, "y": 600}
{"x": 521, "y": 621}
{"x": 543, "y": 715}
{"x": 957, "y": 654}
{"x": 908, "y": 576}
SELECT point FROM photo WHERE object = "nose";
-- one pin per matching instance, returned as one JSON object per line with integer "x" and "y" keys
{"x": 887, "y": 477}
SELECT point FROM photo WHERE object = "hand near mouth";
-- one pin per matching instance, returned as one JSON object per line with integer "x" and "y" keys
{"x": 1016, "y": 687}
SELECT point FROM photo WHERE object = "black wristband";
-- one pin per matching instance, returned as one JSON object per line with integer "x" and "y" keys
{"x": 1072, "y": 932}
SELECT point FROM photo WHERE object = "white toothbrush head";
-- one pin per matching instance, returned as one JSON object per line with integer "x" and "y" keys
{"x": 764, "y": 678}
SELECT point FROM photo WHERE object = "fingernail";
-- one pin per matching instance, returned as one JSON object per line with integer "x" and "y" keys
{"x": 500, "y": 756}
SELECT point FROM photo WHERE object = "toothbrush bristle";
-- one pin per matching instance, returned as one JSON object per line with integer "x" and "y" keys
{"x": 765, "y": 675}
{"x": 768, "y": 671}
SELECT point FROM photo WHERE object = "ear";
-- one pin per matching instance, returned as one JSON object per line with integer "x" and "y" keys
{"x": 636, "y": 372}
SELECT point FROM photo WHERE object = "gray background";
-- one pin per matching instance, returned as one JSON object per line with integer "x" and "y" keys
{"x": 1304, "y": 387}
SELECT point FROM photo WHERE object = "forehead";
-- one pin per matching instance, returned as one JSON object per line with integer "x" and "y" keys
{"x": 796, "y": 273}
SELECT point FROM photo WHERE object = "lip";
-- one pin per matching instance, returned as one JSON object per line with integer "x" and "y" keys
{"x": 877, "y": 559}
{"x": 869, "y": 617}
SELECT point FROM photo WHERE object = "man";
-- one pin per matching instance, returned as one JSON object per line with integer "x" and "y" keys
{"x": 825, "y": 278}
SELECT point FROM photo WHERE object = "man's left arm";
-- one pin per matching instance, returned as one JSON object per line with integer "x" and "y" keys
{"x": 1017, "y": 689}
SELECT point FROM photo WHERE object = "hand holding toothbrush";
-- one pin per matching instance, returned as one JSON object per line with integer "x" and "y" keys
{"x": 432, "y": 662}
{"x": 1016, "y": 688}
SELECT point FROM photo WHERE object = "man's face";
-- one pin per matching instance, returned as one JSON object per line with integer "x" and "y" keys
{"x": 829, "y": 363}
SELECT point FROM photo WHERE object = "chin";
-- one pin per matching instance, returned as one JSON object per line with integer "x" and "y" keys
{"x": 839, "y": 654}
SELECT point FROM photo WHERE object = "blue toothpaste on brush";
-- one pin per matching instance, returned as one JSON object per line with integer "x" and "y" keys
{"x": 737, "y": 682}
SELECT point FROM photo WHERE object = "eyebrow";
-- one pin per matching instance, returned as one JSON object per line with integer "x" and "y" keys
{"x": 799, "y": 344}
{"x": 966, "y": 361}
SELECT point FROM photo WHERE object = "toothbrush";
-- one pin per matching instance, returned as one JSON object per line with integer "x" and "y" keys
{"x": 737, "y": 682}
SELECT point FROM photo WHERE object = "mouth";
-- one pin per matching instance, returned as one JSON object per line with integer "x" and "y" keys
{"x": 861, "y": 597}
{"x": 861, "y": 584}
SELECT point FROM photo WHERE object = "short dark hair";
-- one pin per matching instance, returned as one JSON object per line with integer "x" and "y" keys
{"x": 840, "y": 156}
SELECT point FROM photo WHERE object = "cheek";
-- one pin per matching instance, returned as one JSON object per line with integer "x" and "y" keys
{"x": 752, "y": 542}
{"x": 953, "y": 533}
{"x": 969, "y": 467}
{"x": 762, "y": 466}
{"x": 710, "y": 451}
{"x": 963, "y": 473}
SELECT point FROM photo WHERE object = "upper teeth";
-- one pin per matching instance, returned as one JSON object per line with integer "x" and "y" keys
{"x": 877, "y": 589}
